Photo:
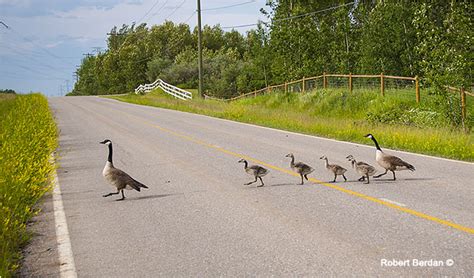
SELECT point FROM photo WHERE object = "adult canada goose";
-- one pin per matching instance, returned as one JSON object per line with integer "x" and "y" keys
{"x": 362, "y": 168}
{"x": 254, "y": 170}
{"x": 300, "y": 168}
{"x": 335, "y": 169}
{"x": 117, "y": 177}
{"x": 387, "y": 161}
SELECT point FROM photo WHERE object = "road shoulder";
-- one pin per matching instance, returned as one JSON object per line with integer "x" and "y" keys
{"x": 40, "y": 256}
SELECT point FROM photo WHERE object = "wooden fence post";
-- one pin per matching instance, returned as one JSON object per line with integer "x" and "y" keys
{"x": 463, "y": 105}
{"x": 324, "y": 81}
{"x": 286, "y": 87}
{"x": 350, "y": 82}
{"x": 303, "y": 84}
{"x": 417, "y": 89}
{"x": 382, "y": 83}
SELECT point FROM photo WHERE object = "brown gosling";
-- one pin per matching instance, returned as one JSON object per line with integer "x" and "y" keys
{"x": 335, "y": 169}
{"x": 387, "y": 161}
{"x": 299, "y": 167}
{"x": 362, "y": 168}
{"x": 254, "y": 170}
{"x": 117, "y": 177}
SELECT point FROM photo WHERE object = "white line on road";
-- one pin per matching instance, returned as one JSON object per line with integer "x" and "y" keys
{"x": 393, "y": 202}
{"x": 67, "y": 268}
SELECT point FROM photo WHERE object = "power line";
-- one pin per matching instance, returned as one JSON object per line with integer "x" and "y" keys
{"x": 6, "y": 26}
{"x": 148, "y": 12}
{"x": 35, "y": 44}
{"x": 290, "y": 17}
{"x": 38, "y": 72}
{"x": 229, "y": 6}
{"x": 160, "y": 8}
{"x": 191, "y": 16}
{"x": 177, "y": 8}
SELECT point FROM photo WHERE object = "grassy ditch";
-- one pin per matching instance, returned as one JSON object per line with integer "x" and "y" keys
{"x": 396, "y": 120}
{"x": 28, "y": 135}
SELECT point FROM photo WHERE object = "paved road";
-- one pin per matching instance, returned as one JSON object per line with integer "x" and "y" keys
{"x": 198, "y": 219}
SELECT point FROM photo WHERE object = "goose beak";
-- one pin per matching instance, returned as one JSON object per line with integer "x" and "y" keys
{"x": 368, "y": 136}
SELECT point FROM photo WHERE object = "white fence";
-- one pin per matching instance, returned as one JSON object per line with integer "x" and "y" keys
{"x": 170, "y": 89}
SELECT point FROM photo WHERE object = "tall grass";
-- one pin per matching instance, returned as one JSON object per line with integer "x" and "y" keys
{"x": 28, "y": 136}
{"x": 396, "y": 118}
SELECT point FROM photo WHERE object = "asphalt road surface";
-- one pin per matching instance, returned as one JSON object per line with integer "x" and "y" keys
{"x": 199, "y": 219}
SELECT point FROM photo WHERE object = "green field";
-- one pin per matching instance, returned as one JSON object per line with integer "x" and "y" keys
{"x": 28, "y": 136}
{"x": 429, "y": 128}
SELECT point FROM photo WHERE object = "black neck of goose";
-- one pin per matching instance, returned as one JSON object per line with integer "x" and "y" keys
{"x": 245, "y": 164}
{"x": 292, "y": 160}
{"x": 109, "y": 159}
{"x": 376, "y": 144}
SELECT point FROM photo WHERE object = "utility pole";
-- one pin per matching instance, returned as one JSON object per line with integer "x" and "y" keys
{"x": 200, "y": 92}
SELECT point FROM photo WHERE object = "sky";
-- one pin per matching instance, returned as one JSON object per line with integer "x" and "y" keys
{"x": 46, "y": 39}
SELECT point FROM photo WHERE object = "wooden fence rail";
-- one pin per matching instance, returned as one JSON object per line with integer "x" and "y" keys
{"x": 325, "y": 79}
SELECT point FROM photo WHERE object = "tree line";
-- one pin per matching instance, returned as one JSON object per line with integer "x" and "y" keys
{"x": 7, "y": 91}
{"x": 430, "y": 38}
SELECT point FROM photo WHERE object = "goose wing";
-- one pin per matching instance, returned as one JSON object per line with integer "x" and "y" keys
{"x": 258, "y": 170}
{"x": 398, "y": 163}
{"x": 366, "y": 168}
{"x": 124, "y": 179}
{"x": 338, "y": 169}
{"x": 304, "y": 168}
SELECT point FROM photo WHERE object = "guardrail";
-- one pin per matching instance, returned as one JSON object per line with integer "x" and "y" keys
{"x": 169, "y": 89}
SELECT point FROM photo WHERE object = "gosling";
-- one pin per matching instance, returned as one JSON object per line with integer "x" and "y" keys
{"x": 335, "y": 169}
{"x": 389, "y": 162}
{"x": 117, "y": 177}
{"x": 254, "y": 170}
{"x": 299, "y": 167}
{"x": 362, "y": 168}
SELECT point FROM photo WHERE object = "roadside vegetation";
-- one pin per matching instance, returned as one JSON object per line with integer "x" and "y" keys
{"x": 334, "y": 113}
{"x": 28, "y": 136}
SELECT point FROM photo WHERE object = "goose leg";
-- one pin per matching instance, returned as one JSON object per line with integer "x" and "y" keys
{"x": 251, "y": 181}
{"x": 378, "y": 176}
{"x": 368, "y": 181}
{"x": 123, "y": 196}
{"x": 261, "y": 182}
{"x": 110, "y": 194}
{"x": 335, "y": 176}
{"x": 362, "y": 178}
{"x": 302, "y": 181}
{"x": 394, "y": 178}
{"x": 306, "y": 176}
{"x": 345, "y": 179}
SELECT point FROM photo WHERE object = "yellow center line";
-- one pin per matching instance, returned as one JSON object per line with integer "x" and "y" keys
{"x": 333, "y": 186}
